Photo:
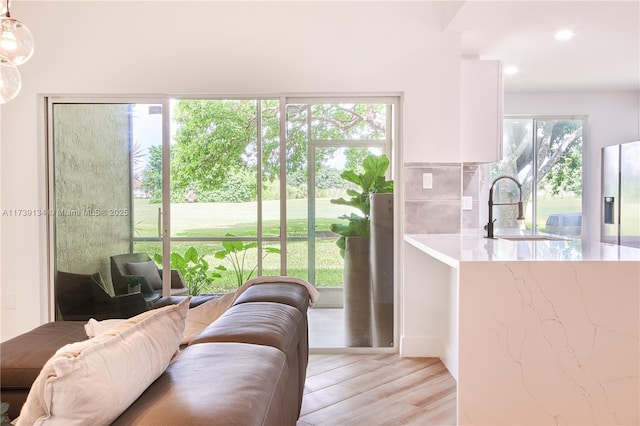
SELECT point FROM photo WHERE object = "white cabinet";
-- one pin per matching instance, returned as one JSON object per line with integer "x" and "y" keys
{"x": 481, "y": 98}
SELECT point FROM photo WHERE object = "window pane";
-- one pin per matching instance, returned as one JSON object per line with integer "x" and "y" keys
{"x": 100, "y": 197}
{"x": 557, "y": 178}
{"x": 559, "y": 198}
{"x": 517, "y": 163}
{"x": 297, "y": 191}
{"x": 92, "y": 186}
{"x": 349, "y": 121}
{"x": 270, "y": 169}
{"x": 214, "y": 168}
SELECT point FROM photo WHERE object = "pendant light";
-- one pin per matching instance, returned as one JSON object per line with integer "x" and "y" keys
{"x": 16, "y": 41}
{"x": 10, "y": 81}
{"x": 16, "y": 47}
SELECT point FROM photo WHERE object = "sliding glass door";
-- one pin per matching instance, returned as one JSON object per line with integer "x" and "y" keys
{"x": 210, "y": 192}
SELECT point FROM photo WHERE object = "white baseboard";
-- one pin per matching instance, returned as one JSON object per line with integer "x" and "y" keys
{"x": 423, "y": 347}
{"x": 450, "y": 360}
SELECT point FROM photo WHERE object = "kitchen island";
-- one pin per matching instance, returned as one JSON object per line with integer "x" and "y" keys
{"x": 534, "y": 331}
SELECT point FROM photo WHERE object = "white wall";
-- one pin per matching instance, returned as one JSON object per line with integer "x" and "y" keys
{"x": 613, "y": 118}
{"x": 216, "y": 48}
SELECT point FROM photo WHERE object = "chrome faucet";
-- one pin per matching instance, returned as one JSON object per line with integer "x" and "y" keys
{"x": 489, "y": 226}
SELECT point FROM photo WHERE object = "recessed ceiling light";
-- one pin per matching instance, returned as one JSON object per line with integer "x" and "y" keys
{"x": 564, "y": 35}
{"x": 511, "y": 70}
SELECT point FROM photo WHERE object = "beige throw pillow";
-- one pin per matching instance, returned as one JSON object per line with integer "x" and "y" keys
{"x": 92, "y": 382}
{"x": 199, "y": 317}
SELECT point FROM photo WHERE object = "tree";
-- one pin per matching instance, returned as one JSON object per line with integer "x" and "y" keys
{"x": 152, "y": 174}
{"x": 215, "y": 137}
{"x": 212, "y": 138}
{"x": 559, "y": 156}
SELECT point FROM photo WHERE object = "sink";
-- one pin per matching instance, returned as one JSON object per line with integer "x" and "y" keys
{"x": 530, "y": 238}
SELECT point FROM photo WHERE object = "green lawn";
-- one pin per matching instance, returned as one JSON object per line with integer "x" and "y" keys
{"x": 239, "y": 219}
{"x": 551, "y": 206}
{"x": 217, "y": 219}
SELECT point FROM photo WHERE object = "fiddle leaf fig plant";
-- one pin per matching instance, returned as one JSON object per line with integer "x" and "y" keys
{"x": 371, "y": 181}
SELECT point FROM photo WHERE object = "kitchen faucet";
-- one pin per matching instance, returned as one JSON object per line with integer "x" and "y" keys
{"x": 489, "y": 226}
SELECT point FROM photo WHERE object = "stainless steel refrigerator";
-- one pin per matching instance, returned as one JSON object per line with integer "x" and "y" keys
{"x": 620, "y": 221}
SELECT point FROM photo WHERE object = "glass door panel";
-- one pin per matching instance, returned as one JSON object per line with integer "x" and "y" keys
{"x": 296, "y": 193}
{"x": 98, "y": 153}
{"x": 269, "y": 197}
{"x": 333, "y": 138}
{"x": 146, "y": 184}
{"x": 214, "y": 189}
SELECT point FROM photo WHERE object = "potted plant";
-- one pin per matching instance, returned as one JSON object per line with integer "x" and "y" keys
{"x": 354, "y": 244}
{"x": 371, "y": 181}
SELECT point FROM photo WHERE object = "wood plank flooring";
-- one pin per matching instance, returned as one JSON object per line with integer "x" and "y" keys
{"x": 382, "y": 389}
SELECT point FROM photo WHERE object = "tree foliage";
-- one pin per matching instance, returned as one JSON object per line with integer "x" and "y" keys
{"x": 559, "y": 156}
{"x": 152, "y": 174}
{"x": 216, "y": 141}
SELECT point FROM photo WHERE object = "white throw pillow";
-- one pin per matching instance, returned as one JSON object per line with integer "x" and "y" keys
{"x": 92, "y": 382}
{"x": 199, "y": 317}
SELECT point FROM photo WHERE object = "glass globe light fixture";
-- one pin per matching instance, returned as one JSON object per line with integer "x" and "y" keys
{"x": 16, "y": 41}
{"x": 10, "y": 81}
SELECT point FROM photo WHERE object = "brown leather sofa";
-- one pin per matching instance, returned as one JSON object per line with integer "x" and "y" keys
{"x": 248, "y": 367}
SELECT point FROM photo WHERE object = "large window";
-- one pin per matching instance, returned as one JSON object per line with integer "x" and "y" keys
{"x": 545, "y": 156}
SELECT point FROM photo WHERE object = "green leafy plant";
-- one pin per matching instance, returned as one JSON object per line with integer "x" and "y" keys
{"x": 236, "y": 253}
{"x": 371, "y": 181}
{"x": 194, "y": 269}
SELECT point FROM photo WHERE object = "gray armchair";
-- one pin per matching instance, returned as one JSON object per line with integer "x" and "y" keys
{"x": 80, "y": 297}
{"x": 133, "y": 272}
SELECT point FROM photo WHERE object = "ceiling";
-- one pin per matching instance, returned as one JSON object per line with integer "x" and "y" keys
{"x": 604, "y": 54}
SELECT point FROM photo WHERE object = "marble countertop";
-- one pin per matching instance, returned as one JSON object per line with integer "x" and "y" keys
{"x": 473, "y": 247}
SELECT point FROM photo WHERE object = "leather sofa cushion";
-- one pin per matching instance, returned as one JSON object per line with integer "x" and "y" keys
{"x": 287, "y": 293}
{"x": 217, "y": 383}
{"x": 24, "y": 355}
{"x": 261, "y": 323}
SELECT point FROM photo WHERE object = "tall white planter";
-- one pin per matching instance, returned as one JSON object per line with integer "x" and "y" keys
{"x": 357, "y": 291}
{"x": 382, "y": 269}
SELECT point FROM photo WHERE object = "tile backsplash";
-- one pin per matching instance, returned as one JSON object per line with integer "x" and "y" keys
{"x": 438, "y": 210}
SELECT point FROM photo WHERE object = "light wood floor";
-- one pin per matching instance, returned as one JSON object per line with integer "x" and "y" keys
{"x": 384, "y": 389}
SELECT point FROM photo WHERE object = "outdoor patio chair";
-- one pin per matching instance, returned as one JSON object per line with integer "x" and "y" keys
{"x": 133, "y": 272}
{"x": 80, "y": 297}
